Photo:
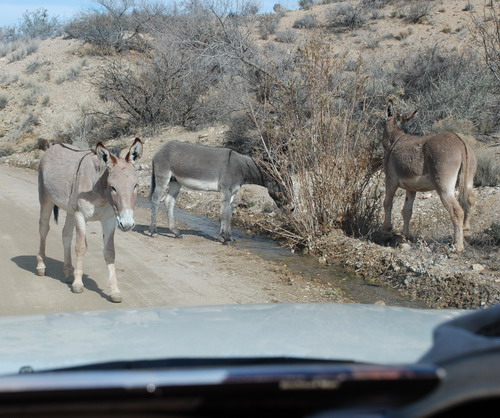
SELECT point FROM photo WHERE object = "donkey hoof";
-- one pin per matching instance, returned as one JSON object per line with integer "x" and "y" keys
{"x": 115, "y": 297}
{"x": 41, "y": 271}
{"x": 225, "y": 240}
{"x": 77, "y": 288}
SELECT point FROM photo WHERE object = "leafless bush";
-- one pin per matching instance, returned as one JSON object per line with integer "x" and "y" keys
{"x": 195, "y": 59}
{"x": 306, "y": 22}
{"x": 485, "y": 29}
{"x": 418, "y": 11}
{"x": 89, "y": 128}
{"x": 287, "y": 36}
{"x": 306, "y": 4}
{"x": 374, "y": 4}
{"x": 268, "y": 23}
{"x": 444, "y": 84}
{"x": 346, "y": 17}
{"x": 4, "y": 99}
{"x": 38, "y": 24}
{"x": 488, "y": 168}
{"x": 21, "y": 49}
{"x": 35, "y": 65}
{"x": 113, "y": 27}
{"x": 317, "y": 140}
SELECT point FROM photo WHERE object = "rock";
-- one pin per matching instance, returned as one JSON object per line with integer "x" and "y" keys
{"x": 405, "y": 246}
{"x": 380, "y": 303}
{"x": 477, "y": 267}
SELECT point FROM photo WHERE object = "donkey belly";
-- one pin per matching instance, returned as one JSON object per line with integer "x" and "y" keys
{"x": 198, "y": 184}
{"x": 417, "y": 184}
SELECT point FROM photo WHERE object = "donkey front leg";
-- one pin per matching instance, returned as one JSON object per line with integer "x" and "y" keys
{"x": 173, "y": 190}
{"x": 407, "y": 212}
{"x": 44, "y": 226}
{"x": 226, "y": 212}
{"x": 390, "y": 191}
{"x": 108, "y": 233}
{"x": 80, "y": 249}
{"x": 67, "y": 238}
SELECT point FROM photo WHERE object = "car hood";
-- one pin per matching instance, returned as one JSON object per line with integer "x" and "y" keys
{"x": 351, "y": 332}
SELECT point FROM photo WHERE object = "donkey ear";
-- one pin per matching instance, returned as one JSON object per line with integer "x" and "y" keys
{"x": 135, "y": 151}
{"x": 390, "y": 109}
{"x": 104, "y": 155}
{"x": 409, "y": 116}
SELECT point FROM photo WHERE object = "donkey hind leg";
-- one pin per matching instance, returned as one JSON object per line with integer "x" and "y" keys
{"x": 44, "y": 227}
{"x": 467, "y": 207}
{"x": 108, "y": 233}
{"x": 80, "y": 249}
{"x": 457, "y": 217}
{"x": 156, "y": 197}
{"x": 67, "y": 238}
{"x": 390, "y": 191}
{"x": 407, "y": 212}
{"x": 226, "y": 212}
{"x": 173, "y": 190}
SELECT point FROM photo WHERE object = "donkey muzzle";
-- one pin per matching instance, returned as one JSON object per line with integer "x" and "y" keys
{"x": 125, "y": 220}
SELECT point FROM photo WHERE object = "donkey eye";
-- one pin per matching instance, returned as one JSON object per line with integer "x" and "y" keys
{"x": 113, "y": 190}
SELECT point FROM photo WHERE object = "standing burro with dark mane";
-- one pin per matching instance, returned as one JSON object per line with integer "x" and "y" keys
{"x": 90, "y": 185}
{"x": 201, "y": 167}
{"x": 425, "y": 163}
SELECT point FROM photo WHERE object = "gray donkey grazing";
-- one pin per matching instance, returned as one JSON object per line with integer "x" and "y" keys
{"x": 425, "y": 163}
{"x": 200, "y": 167}
{"x": 89, "y": 186}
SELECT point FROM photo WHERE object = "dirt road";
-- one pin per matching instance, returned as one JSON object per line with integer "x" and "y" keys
{"x": 160, "y": 271}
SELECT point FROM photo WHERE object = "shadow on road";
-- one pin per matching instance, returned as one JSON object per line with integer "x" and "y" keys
{"x": 144, "y": 230}
{"x": 55, "y": 271}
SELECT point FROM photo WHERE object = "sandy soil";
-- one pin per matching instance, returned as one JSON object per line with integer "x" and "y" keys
{"x": 159, "y": 271}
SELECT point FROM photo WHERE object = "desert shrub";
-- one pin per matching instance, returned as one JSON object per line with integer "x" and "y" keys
{"x": 488, "y": 169}
{"x": 494, "y": 232}
{"x": 6, "y": 150}
{"x": 316, "y": 138}
{"x": 305, "y": 22}
{"x": 20, "y": 49}
{"x": 191, "y": 73}
{"x": 287, "y": 36}
{"x": 418, "y": 11}
{"x": 279, "y": 10}
{"x": 448, "y": 84}
{"x": 268, "y": 23}
{"x": 113, "y": 27}
{"x": 306, "y": 4}
{"x": 37, "y": 24}
{"x": 72, "y": 73}
{"x": 374, "y": 4}
{"x": 4, "y": 99}
{"x": 346, "y": 17}
{"x": 402, "y": 35}
{"x": 485, "y": 29}
{"x": 468, "y": 6}
{"x": 34, "y": 66}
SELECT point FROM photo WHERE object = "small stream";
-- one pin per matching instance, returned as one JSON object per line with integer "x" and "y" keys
{"x": 350, "y": 284}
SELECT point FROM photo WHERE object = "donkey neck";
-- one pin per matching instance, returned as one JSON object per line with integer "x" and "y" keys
{"x": 392, "y": 134}
{"x": 253, "y": 174}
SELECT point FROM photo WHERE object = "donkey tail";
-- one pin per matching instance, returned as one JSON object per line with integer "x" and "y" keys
{"x": 153, "y": 180}
{"x": 467, "y": 171}
{"x": 56, "y": 213}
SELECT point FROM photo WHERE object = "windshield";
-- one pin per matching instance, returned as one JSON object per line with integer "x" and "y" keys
{"x": 221, "y": 179}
